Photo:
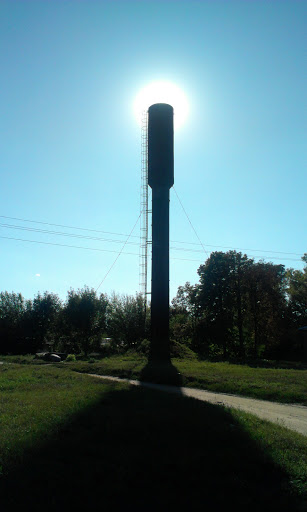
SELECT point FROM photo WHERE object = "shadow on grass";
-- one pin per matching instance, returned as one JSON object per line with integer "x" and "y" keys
{"x": 161, "y": 373}
{"x": 142, "y": 449}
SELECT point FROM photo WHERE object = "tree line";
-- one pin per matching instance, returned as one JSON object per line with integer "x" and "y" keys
{"x": 242, "y": 308}
{"x": 239, "y": 308}
{"x": 80, "y": 324}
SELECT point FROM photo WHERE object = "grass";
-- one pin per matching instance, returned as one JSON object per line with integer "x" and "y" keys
{"x": 34, "y": 401}
{"x": 67, "y": 440}
{"x": 275, "y": 384}
{"x": 21, "y": 359}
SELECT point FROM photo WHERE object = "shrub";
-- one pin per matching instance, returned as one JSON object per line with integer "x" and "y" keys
{"x": 144, "y": 347}
{"x": 180, "y": 351}
{"x": 71, "y": 357}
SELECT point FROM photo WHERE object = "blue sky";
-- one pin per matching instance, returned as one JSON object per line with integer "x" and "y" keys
{"x": 71, "y": 148}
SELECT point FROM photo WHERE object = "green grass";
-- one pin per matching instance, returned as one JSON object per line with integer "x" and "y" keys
{"x": 68, "y": 440}
{"x": 21, "y": 359}
{"x": 34, "y": 401}
{"x": 280, "y": 385}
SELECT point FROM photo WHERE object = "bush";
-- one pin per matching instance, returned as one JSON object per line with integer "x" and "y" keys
{"x": 93, "y": 360}
{"x": 144, "y": 347}
{"x": 71, "y": 357}
{"x": 180, "y": 351}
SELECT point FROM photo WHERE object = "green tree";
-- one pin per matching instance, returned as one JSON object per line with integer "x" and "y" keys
{"x": 185, "y": 300}
{"x": 184, "y": 312}
{"x": 267, "y": 305}
{"x": 216, "y": 298}
{"x": 83, "y": 320}
{"x": 126, "y": 320}
{"x": 297, "y": 294}
{"x": 44, "y": 314}
{"x": 239, "y": 266}
{"x": 12, "y": 313}
{"x": 242, "y": 303}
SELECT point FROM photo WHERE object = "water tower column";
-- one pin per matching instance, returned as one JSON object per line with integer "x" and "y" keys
{"x": 160, "y": 179}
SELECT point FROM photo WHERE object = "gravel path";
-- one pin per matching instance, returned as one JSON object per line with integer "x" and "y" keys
{"x": 288, "y": 415}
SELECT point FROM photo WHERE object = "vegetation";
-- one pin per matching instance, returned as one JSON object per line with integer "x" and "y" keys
{"x": 275, "y": 384}
{"x": 243, "y": 309}
{"x": 239, "y": 309}
{"x": 68, "y": 441}
{"x": 79, "y": 325}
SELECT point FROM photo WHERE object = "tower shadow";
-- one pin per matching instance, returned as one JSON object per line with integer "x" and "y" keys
{"x": 135, "y": 449}
{"x": 161, "y": 372}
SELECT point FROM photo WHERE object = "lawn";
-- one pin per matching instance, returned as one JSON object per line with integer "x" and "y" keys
{"x": 67, "y": 440}
{"x": 275, "y": 384}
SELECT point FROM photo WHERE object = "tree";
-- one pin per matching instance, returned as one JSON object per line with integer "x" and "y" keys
{"x": 44, "y": 313}
{"x": 266, "y": 292}
{"x": 83, "y": 319}
{"x": 297, "y": 294}
{"x": 126, "y": 319}
{"x": 12, "y": 307}
{"x": 242, "y": 303}
{"x": 239, "y": 265}
{"x": 185, "y": 300}
{"x": 184, "y": 312}
{"x": 216, "y": 298}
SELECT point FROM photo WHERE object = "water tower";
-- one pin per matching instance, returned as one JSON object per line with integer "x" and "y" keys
{"x": 160, "y": 179}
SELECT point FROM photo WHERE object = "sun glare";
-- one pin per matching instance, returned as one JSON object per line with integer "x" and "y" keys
{"x": 162, "y": 92}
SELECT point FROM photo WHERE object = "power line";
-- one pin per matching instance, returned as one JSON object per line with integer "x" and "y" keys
{"x": 63, "y": 233}
{"x": 120, "y": 252}
{"x": 66, "y": 226}
{"x": 113, "y": 251}
{"x": 109, "y": 240}
{"x": 190, "y": 222}
{"x": 64, "y": 245}
{"x": 75, "y": 235}
{"x": 233, "y": 248}
{"x": 239, "y": 248}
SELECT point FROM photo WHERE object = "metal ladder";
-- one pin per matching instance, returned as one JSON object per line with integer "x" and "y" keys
{"x": 143, "y": 272}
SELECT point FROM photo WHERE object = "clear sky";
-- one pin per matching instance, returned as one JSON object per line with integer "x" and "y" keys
{"x": 71, "y": 147}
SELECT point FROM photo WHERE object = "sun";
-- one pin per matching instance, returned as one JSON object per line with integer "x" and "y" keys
{"x": 162, "y": 92}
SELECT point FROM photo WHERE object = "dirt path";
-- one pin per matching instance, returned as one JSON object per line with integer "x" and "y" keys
{"x": 290, "y": 416}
